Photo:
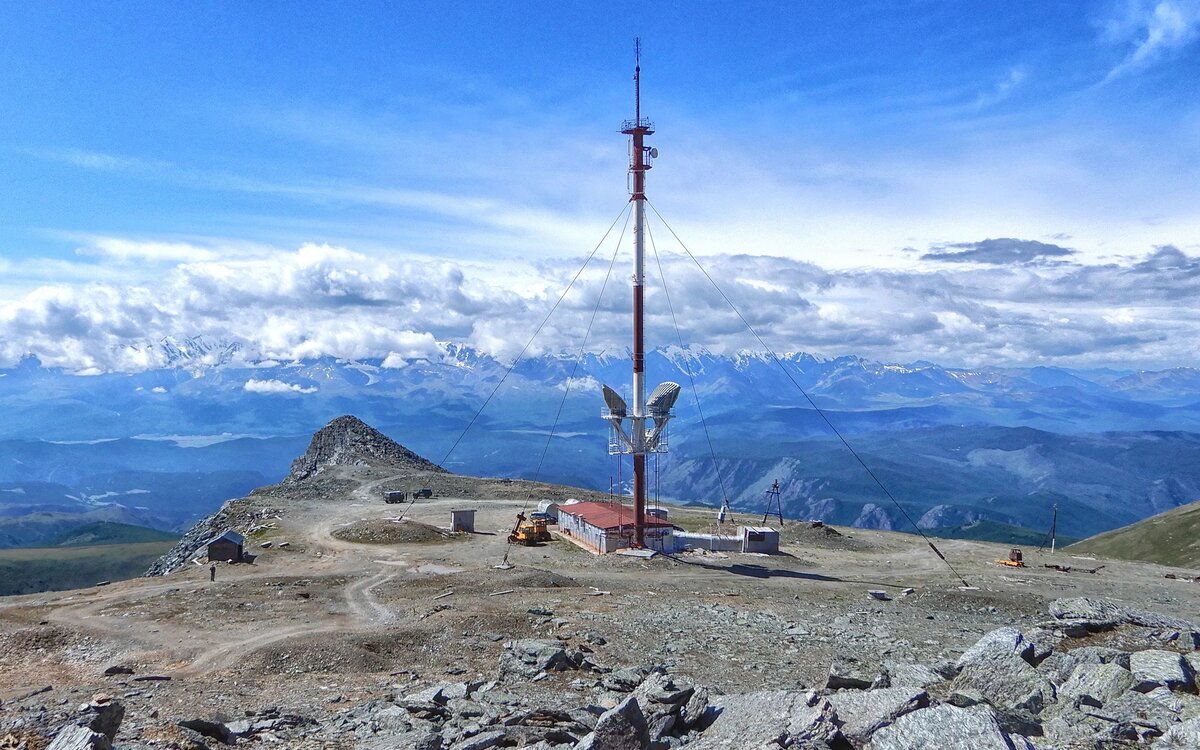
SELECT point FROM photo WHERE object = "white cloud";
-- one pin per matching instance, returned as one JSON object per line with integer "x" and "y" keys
{"x": 158, "y": 389}
{"x": 157, "y": 252}
{"x": 1004, "y": 88}
{"x": 1018, "y": 302}
{"x": 1154, "y": 30}
{"x": 275, "y": 386}
{"x": 98, "y": 160}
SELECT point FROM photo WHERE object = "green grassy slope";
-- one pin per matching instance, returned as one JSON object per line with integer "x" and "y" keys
{"x": 29, "y": 570}
{"x": 1170, "y": 538}
{"x": 994, "y": 531}
{"x": 109, "y": 532}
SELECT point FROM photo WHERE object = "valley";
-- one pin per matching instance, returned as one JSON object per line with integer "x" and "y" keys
{"x": 345, "y": 637}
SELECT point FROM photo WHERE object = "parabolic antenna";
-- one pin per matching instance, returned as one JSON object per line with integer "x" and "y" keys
{"x": 653, "y": 153}
{"x": 662, "y": 399}
{"x": 614, "y": 402}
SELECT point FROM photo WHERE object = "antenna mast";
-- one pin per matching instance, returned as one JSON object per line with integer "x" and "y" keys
{"x": 641, "y": 439}
{"x": 638, "y": 130}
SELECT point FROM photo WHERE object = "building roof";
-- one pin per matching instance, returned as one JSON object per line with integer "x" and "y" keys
{"x": 228, "y": 536}
{"x": 760, "y": 529}
{"x": 608, "y": 515}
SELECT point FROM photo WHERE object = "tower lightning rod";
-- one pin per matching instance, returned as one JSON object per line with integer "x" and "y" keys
{"x": 638, "y": 129}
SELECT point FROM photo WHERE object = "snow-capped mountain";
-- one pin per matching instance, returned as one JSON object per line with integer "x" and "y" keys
{"x": 969, "y": 434}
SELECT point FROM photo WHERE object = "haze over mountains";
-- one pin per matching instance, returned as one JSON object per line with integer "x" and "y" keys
{"x": 165, "y": 446}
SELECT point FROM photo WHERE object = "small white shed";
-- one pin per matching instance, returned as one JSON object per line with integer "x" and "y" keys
{"x": 759, "y": 539}
{"x": 462, "y": 519}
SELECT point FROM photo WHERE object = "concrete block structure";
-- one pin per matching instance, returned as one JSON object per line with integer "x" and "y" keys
{"x": 608, "y": 527}
{"x": 759, "y": 539}
{"x": 762, "y": 539}
{"x": 462, "y": 519}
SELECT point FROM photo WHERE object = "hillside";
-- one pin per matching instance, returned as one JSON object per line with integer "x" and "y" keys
{"x": 994, "y": 531}
{"x": 1170, "y": 538}
{"x": 105, "y": 532}
{"x": 334, "y": 640}
{"x": 29, "y": 570}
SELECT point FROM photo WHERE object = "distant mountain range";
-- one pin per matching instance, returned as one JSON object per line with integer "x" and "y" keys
{"x": 954, "y": 445}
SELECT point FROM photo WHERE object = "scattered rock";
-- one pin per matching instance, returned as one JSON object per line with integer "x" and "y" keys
{"x": 1145, "y": 716}
{"x": 782, "y": 717}
{"x": 942, "y": 728}
{"x": 1153, "y": 668}
{"x": 1095, "y": 614}
{"x": 117, "y": 669}
{"x": 214, "y": 729}
{"x": 74, "y": 737}
{"x": 1102, "y": 683}
{"x": 526, "y": 658}
{"x": 998, "y": 643}
{"x": 621, "y": 728}
{"x": 1185, "y": 736}
{"x": 848, "y": 672}
{"x": 595, "y": 638}
{"x": 1060, "y": 665}
{"x": 911, "y": 675}
{"x": 865, "y": 711}
{"x": 481, "y": 741}
{"x": 1007, "y": 682}
{"x": 623, "y": 680}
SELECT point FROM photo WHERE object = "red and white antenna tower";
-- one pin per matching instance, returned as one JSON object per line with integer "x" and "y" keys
{"x": 639, "y": 441}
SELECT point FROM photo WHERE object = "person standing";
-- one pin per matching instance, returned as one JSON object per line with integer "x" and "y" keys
{"x": 212, "y": 572}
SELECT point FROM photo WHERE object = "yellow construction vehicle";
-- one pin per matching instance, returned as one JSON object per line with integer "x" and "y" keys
{"x": 528, "y": 533}
{"x": 1015, "y": 559}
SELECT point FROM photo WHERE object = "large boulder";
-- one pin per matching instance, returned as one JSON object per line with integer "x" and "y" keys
{"x": 621, "y": 728}
{"x": 1153, "y": 668}
{"x": 943, "y": 727}
{"x": 998, "y": 643}
{"x": 865, "y": 711}
{"x": 529, "y": 657}
{"x": 1096, "y": 684}
{"x": 1185, "y": 736}
{"x": 753, "y": 720}
{"x": 1060, "y": 665}
{"x": 74, "y": 737}
{"x": 1096, "y": 614}
{"x": 902, "y": 674}
{"x": 1134, "y": 716}
{"x": 1007, "y": 682}
{"x": 850, "y": 672}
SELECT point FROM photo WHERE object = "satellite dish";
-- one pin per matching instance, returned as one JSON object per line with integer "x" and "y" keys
{"x": 653, "y": 153}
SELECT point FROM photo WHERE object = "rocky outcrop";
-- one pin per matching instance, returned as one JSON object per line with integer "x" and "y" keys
{"x": 203, "y": 530}
{"x": 1075, "y": 698}
{"x": 348, "y": 441}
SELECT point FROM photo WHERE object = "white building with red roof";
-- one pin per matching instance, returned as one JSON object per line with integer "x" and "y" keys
{"x": 608, "y": 527}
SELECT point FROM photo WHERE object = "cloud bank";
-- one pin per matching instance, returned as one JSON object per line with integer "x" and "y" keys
{"x": 994, "y": 301}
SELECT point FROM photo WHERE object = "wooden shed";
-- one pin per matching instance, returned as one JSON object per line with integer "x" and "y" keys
{"x": 228, "y": 547}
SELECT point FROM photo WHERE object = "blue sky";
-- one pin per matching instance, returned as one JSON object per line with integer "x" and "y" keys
{"x": 149, "y": 144}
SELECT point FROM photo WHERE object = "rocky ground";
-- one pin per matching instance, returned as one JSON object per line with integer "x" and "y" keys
{"x": 356, "y": 628}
